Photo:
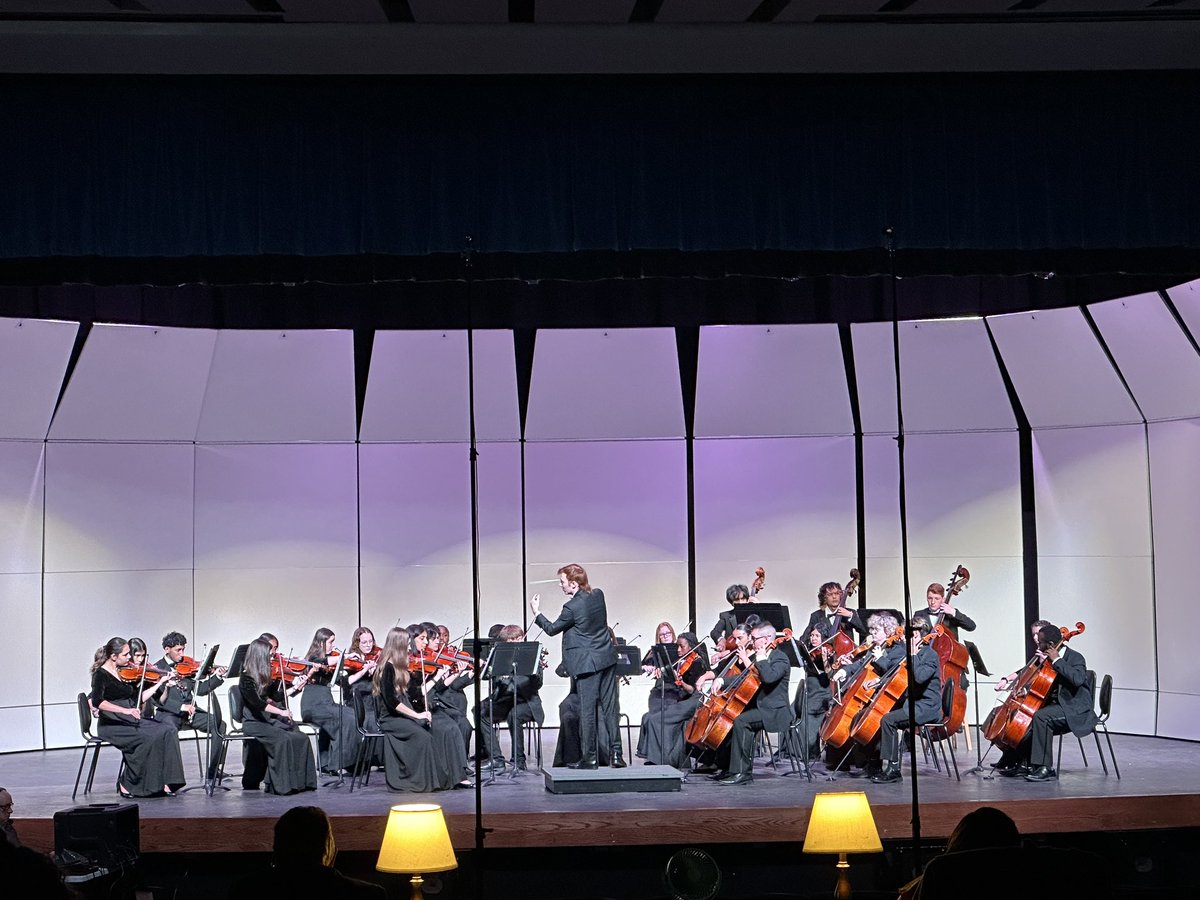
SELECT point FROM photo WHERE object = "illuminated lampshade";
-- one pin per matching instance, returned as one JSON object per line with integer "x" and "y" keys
{"x": 841, "y": 824}
{"x": 416, "y": 841}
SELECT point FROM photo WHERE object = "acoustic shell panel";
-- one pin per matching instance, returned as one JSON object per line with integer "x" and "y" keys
{"x": 136, "y": 383}
{"x": 21, "y": 612}
{"x": 950, "y": 378}
{"x": 771, "y": 381}
{"x": 280, "y": 386}
{"x": 1175, "y": 489}
{"x": 1157, "y": 360}
{"x": 116, "y": 507}
{"x": 21, "y": 486}
{"x": 417, "y": 389}
{"x": 33, "y": 361}
{"x": 21, "y": 729}
{"x": 1186, "y": 298}
{"x": 1060, "y": 370}
{"x": 875, "y": 372}
{"x": 275, "y": 506}
{"x": 605, "y": 385}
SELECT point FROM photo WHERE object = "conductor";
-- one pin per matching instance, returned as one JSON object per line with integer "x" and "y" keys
{"x": 590, "y": 659}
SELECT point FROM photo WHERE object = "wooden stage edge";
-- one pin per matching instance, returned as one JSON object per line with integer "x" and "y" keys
{"x": 1160, "y": 789}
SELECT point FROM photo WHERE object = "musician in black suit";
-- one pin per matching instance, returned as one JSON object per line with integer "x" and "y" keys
{"x": 831, "y": 617}
{"x": 926, "y": 682}
{"x": 590, "y": 659}
{"x": 514, "y": 700}
{"x": 771, "y": 708}
{"x": 1072, "y": 709}
{"x": 178, "y": 708}
{"x": 735, "y": 595}
{"x": 953, "y": 618}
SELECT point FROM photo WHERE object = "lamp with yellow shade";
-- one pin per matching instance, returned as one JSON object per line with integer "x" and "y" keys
{"x": 841, "y": 824}
{"x": 416, "y": 841}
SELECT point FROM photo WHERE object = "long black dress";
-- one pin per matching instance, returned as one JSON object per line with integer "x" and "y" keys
{"x": 281, "y": 751}
{"x": 661, "y": 739}
{"x": 339, "y": 737}
{"x": 150, "y": 748}
{"x": 417, "y": 757}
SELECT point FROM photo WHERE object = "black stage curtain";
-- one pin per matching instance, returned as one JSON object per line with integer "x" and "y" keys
{"x": 140, "y": 168}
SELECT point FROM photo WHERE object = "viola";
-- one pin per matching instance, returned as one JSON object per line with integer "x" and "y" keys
{"x": 686, "y": 664}
{"x": 452, "y": 656}
{"x": 132, "y": 674}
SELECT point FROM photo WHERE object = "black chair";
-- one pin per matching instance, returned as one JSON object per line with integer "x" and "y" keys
{"x": 936, "y": 735}
{"x": 93, "y": 743}
{"x": 233, "y": 732}
{"x": 1106, "y": 687}
{"x": 371, "y": 738}
{"x": 1091, "y": 686}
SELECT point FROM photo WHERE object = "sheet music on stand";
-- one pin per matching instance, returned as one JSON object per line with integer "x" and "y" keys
{"x": 629, "y": 660}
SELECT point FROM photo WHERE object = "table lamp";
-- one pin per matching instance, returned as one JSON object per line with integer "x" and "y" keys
{"x": 416, "y": 841}
{"x": 841, "y": 824}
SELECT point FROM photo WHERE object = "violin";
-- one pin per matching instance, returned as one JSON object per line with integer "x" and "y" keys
{"x": 186, "y": 667}
{"x": 356, "y": 663}
{"x": 423, "y": 665}
{"x": 288, "y": 669}
{"x": 451, "y": 656}
{"x": 132, "y": 674}
{"x": 684, "y": 665}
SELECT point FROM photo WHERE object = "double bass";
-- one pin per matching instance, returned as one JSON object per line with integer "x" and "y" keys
{"x": 835, "y": 729}
{"x": 1008, "y": 723}
{"x": 842, "y": 642}
{"x": 952, "y": 655}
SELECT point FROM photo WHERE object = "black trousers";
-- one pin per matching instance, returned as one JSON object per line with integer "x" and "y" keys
{"x": 597, "y": 692}
{"x": 201, "y": 721}
{"x": 1047, "y": 722}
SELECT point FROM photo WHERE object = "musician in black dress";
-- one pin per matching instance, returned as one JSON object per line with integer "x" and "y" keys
{"x": 178, "y": 707}
{"x": 1071, "y": 707}
{"x": 514, "y": 700}
{"x": 449, "y": 688}
{"x": 769, "y": 710}
{"x": 816, "y": 697}
{"x": 590, "y": 658}
{"x": 926, "y": 682}
{"x": 338, "y": 740}
{"x": 421, "y": 752}
{"x": 661, "y": 740}
{"x": 831, "y": 616}
{"x": 153, "y": 763}
{"x": 280, "y": 752}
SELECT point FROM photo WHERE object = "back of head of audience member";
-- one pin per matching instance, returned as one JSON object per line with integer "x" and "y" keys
{"x": 983, "y": 827}
{"x": 304, "y": 837}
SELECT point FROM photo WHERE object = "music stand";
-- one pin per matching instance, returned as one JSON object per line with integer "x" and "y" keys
{"x": 664, "y": 658}
{"x": 800, "y": 658}
{"x": 335, "y": 679}
{"x": 510, "y": 659}
{"x": 977, "y": 668}
{"x": 629, "y": 660}
{"x": 239, "y": 661}
{"x": 775, "y": 613}
{"x": 201, "y": 674}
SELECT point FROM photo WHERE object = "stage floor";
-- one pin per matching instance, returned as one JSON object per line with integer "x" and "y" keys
{"x": 1159, "y": 788}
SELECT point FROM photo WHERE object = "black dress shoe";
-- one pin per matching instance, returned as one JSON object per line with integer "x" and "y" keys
{"x": 618, "y": 762}
{"x": 1042, "y": 773}
{"x": 741, "y": 778}
{"x": 584, "y": 764}
{"x": 1017, "y": 771}
{"x": 717, "y": 776}
{"x": 889, "y": 774}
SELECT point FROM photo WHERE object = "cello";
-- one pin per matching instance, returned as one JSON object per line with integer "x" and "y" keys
{"x": 835, "y": 729}
{"x": 714, "y": 717}
{"x": 952, "y": 655}
{"x": 1008, "y": 723}
{"x": 887, "y": 694}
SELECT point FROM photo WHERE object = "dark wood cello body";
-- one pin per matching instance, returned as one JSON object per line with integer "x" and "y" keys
{"x": 714, "y": 717}
{"x": 1009, "y": 723}
{"x": 835, "y": 729}
{"x": 953, "y": 656}
{"x": 887, "y": 695}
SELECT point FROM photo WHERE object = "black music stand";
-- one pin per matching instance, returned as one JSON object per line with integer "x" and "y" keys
{"x": 665, "y": 657}
{"x": 239, "y": 661}
{"x": 510, "y": 659}
{"x": 977, "y": 668}
{"x": 202, "y": 673}
{"x": 775, "y": 613}
{"x": 800, "y": 658}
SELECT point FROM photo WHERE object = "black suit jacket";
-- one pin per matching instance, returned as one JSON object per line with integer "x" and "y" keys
{"x": 819, "y": 620}
{"x": 583, "y": 623}
{"x": 1074, "y": 692}
{"x": 186, "y": 692}
{"x": 952, "y": 623}
{"x": 726, "y": 622}
{"x": 772, "y": 698}
{"x": 926, "y": 682}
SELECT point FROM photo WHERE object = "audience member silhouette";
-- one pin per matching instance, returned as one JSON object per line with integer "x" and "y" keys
{"x": 978, "y": 829}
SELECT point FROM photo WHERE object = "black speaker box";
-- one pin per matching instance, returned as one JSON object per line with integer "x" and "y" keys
{"x": 107, "y": 834}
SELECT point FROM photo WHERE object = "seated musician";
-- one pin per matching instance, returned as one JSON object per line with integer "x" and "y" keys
{"x": 723, "y": 664}
{"x": 831, "y": 617}
{"x": 1070, "y": 707}
{"x": 338, "y": 740}
{"x": 1014, "y": 761}
{"x": 814, "y": 698}
{"x": 926, "y": 681}
{"x": 661, "y": 741}
{"x": 735, "y": 595}
{"x": 449, "y": 691}
{"x": 178, "y": 708}
{"x": 770, "y": 708}
{"x": 515, "y": 700}
{"x": 280, "y": 752}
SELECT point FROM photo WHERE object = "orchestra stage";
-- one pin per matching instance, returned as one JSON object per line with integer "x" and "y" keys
{"x": 1159, "y": 789}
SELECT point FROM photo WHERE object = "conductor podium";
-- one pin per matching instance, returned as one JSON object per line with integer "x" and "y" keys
{"x": 633, "y": 779}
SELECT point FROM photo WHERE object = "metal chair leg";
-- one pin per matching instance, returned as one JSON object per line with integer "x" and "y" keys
{"x": 1111, "y": 754}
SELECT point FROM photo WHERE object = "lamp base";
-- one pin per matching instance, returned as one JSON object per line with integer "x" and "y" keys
{"x": 842, "y": 890}
{"x": 417, "y": 881}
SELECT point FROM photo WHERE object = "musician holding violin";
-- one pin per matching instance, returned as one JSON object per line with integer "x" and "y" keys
{"x": 280, "y": 751}
{"x": 153, "y": 763}
{"x": 661, "y": 741}
{"x": 926, "y": 681}
{"x": 178, "y": 706}
{"x": 454, "y": 673}
{"x": 770, "y": 709}
{"x": 338, "y": 740}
